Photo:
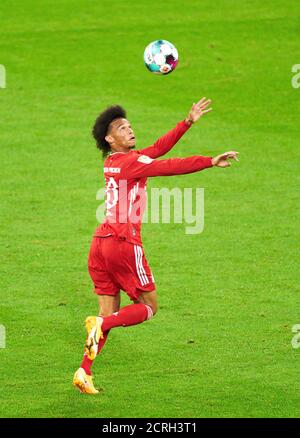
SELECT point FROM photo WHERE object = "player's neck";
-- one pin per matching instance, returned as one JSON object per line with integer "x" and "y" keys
{"x": 121, "y": 149}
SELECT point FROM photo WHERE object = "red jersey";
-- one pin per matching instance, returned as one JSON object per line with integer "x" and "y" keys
{"x": 126, "y": 179}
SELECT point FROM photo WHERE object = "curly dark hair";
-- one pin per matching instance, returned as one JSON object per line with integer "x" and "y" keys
{"x": 101, "y": 126}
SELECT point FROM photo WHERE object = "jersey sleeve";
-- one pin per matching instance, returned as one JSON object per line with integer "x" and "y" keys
{"x": 166, "y": 142}
{"x": 141, "y": 166}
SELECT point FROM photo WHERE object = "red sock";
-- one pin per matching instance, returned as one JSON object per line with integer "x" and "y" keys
{"x": 128, "y": 315}
{"x": 102, "y": 342}
{"x": 87, "y": 363}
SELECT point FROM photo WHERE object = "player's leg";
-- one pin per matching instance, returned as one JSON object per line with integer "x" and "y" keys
{"x": 150, "y": 299}
{"x": 105, "y": 288}
{"x": 127, "y": 316}
{"x": 144, "y": 308}
{"x": 127, "y": 268}
{"x": 107, "y": 306}
{"x": 83, "y": 377}
{"x": 109, "y": 302}
{"x": 132, "y": 272}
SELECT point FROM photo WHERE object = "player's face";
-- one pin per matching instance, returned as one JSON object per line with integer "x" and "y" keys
{"x": 121, "y": 134}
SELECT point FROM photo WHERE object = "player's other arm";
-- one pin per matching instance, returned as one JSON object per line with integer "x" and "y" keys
{"x": 167, "y": 141}
{"x": 143, "y": 166}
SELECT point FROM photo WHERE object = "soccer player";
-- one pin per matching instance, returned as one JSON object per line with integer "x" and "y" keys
{"x": 116, "y": 259}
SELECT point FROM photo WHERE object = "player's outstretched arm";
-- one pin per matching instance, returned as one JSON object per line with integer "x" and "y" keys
{"x": 165, "y": 143}
{"x": 143, "y": 166}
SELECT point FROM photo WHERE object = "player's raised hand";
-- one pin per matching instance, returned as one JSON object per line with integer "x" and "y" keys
{"x": 223, "y": 159}
{"x": 198, "y": 110}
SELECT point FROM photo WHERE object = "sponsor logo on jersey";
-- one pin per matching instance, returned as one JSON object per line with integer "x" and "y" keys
{"x": 144, "y": 159}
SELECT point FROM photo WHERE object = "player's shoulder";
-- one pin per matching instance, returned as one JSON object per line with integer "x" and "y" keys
{"x": 117, "y": 161}
{"x": 120, "y": 163}
{"x": 138, "y": 156}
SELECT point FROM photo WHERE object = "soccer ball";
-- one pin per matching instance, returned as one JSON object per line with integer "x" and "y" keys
{"x": 161, "y": 57}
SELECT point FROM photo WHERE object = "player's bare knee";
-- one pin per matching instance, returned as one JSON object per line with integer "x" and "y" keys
{"x": 154, "y": 308}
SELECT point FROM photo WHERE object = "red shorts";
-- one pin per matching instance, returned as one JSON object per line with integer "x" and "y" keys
{"x": 117, "y": 264}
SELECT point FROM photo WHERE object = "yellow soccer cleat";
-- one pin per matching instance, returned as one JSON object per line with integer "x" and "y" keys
{"x": 94, "y": 334}
{"x": 84, "y": 382}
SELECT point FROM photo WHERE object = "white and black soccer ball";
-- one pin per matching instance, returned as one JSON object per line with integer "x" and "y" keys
{"x": 161, "y": 57}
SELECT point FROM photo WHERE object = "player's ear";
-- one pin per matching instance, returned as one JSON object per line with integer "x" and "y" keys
{"x": 109, "y": 139}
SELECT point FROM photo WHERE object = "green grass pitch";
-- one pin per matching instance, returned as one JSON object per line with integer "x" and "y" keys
{"x": 220, "y": 345}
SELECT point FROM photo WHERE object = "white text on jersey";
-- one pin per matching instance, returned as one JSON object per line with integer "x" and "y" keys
{"x": 112, "y": 169}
